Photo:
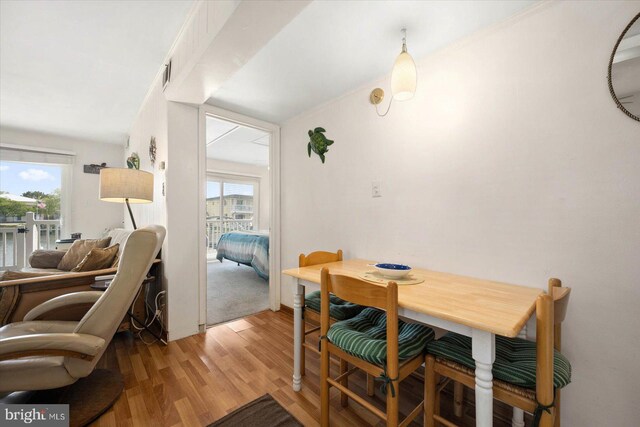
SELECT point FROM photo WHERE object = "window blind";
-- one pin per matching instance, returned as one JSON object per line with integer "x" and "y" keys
{"x": 17, "y": 153}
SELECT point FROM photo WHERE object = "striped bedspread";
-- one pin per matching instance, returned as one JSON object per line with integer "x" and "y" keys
{"x": 246, "y": 248}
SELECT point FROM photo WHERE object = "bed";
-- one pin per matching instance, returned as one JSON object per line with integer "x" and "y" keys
{"x": 248, "y": 248}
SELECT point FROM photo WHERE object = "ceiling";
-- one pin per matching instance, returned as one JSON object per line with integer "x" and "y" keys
{"x": 333, "y": 47}
{"x": 236, "y": 143}
{"x": 82, "y": 68}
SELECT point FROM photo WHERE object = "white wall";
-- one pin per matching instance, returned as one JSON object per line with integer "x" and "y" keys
{"x": 511, "y": 163}
{"x": 175, "y": 127}
{"x": 254, "y": 171}
{"x": 87, "y": 214}
{"x": 151, "y": 121}
{"x": 183, "y": 204}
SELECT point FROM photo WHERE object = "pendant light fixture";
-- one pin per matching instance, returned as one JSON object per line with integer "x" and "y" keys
{"x": 403, "y": 79}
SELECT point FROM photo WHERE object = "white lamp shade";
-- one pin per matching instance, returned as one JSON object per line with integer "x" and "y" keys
{"x": 118, "y": 184}
{"x": 403, "y": 78}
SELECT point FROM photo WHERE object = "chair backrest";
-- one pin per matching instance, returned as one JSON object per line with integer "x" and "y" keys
{"x": 560, "y": 303}
{"x": 360, "y": 292}
{"x": 105, "y": 315}
{"x": 319, "y": 257}
{"x": 551, "y": 309}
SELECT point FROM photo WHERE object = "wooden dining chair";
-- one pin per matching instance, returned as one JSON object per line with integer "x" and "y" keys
{"x": 340, "y": 309}
{"x": 526, "y": 375}
{"x": 375, "y": 341}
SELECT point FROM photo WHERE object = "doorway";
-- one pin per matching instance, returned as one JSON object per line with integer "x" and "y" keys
{"x": 238, "y": 217}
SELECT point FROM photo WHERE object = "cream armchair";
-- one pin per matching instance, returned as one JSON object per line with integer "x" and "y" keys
{"x": 46, "y": 354}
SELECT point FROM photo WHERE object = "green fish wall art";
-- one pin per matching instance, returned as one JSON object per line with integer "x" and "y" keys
{"x": 318, "y": 143}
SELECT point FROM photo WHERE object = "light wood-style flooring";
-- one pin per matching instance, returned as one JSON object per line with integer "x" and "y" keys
{"x": 196, "y": 380}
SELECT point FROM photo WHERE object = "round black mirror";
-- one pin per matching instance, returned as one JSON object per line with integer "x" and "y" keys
{"x": 624, "y": 70}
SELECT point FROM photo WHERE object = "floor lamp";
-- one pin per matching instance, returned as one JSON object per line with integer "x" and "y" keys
{"x": 121, "y": 185}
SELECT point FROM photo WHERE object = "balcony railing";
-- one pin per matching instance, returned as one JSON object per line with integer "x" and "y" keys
{"x": 216, "y": 228}
{"x": 48, "y": 233}
{"x": 18, "y": 242}
{"x": 242, "y": 208}
{"x": 8, "y": 248}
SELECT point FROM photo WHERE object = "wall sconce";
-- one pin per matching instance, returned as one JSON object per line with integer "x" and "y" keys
{"x": 403, "y": 79}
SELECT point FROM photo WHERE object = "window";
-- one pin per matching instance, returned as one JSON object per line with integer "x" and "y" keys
{"x": 29, "y": 187}
{"x": 39, "y": 181}
{"x": 231, "y": 206}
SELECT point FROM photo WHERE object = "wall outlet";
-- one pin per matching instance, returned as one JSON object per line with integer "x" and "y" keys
{"x": 376, "y": 189}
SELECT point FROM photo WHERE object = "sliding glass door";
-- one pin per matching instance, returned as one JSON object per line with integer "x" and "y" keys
{"x": 232, "y": 205}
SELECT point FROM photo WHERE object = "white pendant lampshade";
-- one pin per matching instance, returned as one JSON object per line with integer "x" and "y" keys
{"x": 403, "y": 76}
{"x": 404, "y": 79}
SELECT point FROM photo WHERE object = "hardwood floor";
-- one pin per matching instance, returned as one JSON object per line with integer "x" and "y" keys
{"x": 196, "y": 380}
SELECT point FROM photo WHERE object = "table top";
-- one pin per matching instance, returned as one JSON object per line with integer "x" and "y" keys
{"x": 499, "y": 308}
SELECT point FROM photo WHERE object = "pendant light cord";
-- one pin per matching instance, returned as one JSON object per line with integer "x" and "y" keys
{"x": 386, "y": 112}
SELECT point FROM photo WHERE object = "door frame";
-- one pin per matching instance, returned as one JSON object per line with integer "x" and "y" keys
{"x": 274, "y": 205}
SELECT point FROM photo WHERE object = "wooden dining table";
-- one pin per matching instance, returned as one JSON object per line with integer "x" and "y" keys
{"x": 480, "y": 309}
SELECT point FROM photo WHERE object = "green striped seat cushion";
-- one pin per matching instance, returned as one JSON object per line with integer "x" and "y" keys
{"x": 515, "y": 359}
{"x": 365, "y": 336}
{"x": 339, "y": 309}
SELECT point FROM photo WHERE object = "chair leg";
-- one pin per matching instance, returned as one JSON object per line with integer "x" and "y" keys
{"x": 436, "y": 397}
{"x": 556, "y": 410}
{"x": 303, "y": 340}
{"x": 371, "y": 386}
{"x": 324, "y": 387}
{"x": 547, "y": 420}
{"x": 458, "y": 398}
{"x": 429, "y": 392}
{"x": 392, "y": 405}
{"x": 344, "y": 367}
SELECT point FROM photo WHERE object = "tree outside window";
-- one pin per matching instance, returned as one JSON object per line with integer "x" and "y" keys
{"x": 29, "y": 187}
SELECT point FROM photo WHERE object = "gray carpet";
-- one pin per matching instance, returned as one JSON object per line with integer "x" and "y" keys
{"x": 234, "y": 291}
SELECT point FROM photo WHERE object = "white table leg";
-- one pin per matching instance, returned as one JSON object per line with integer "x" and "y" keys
{"x": 484, "y": 353}
{"x": 297, "y": 333}
{"x": 518, "y": 414}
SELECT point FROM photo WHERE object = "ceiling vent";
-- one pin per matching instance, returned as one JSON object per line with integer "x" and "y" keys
{"x": 166, "y": 75}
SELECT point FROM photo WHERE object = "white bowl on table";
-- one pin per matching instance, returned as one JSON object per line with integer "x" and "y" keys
{"x": 392, "y": 271}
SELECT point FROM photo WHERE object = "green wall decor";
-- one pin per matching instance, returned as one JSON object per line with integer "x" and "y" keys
{"x": 152, "y": 150}
{"x": 318, "y": 142}
{"x": 133, "y": 161}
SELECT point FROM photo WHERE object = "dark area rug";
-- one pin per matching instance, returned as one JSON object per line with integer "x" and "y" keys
{"x": 262, "y": 412}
